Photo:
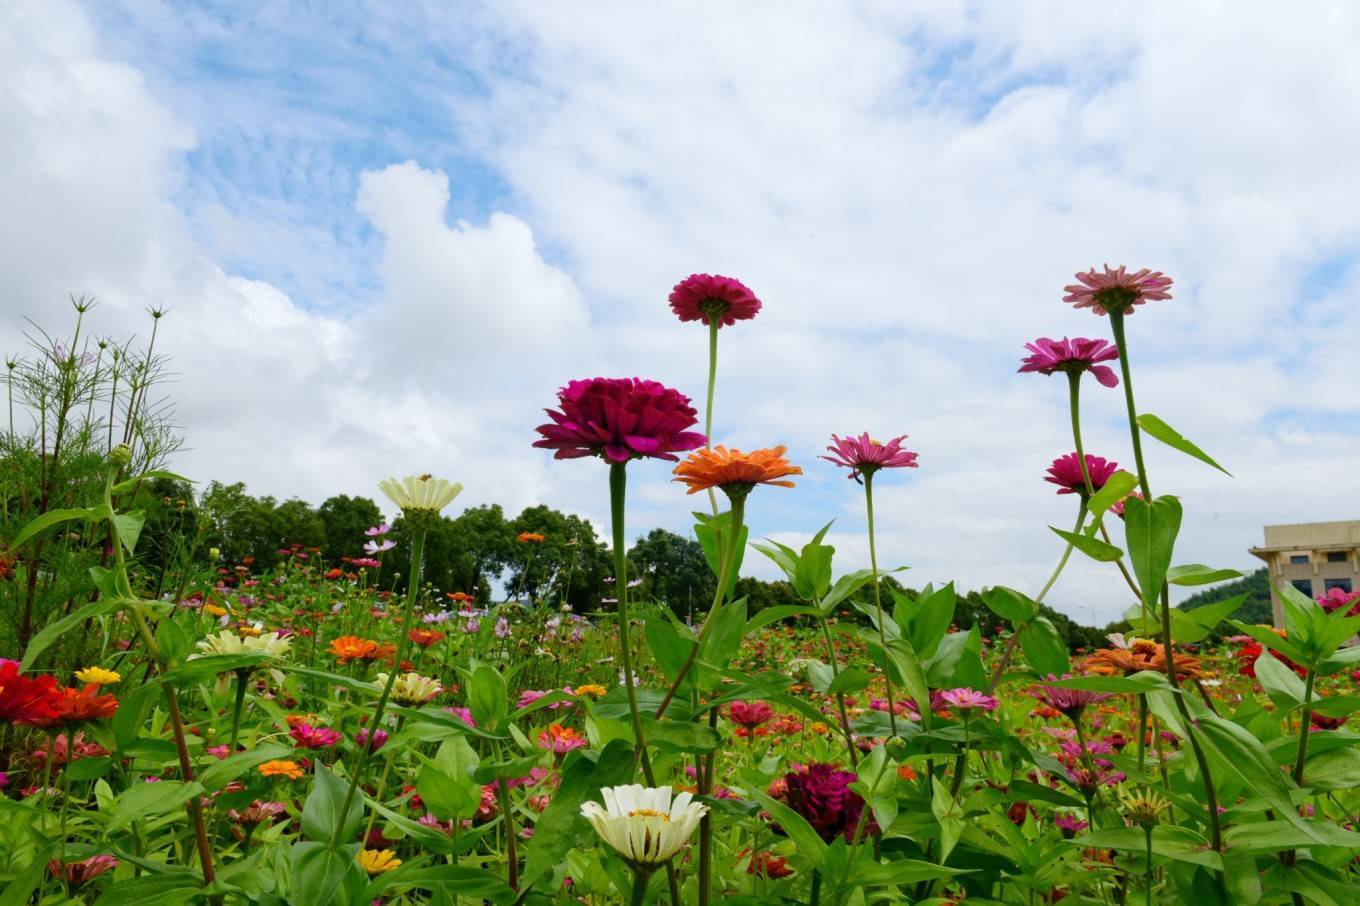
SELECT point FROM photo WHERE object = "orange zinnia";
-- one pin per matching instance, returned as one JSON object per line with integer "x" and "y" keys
{"x": 351, "y": 647}
{"x": 730, "y": 470}
{"x": 281, "y": 768}
{"x": 75, "y": 706}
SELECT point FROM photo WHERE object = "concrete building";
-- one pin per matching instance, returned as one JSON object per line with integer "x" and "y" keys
{"x": 1314, "y": 557}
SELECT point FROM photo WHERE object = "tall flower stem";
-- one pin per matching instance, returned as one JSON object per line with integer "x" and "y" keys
{"x": 1135, "y": 433}
{"x": 878, "y": 601}
{"x": 618, "y": 484}
{"x": 419, "y": 527}
{"x": 242, "y": 676}
{"x": 735, "y": 523}
{"x": 714, "y": 324}
{"x": 1074, "y": 391}
{"x": 840, "y": 696}
{"x": 639, "y": 894}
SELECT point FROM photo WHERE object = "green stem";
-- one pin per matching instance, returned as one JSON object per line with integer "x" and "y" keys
{"x": 815, "y": 896}
{"x": 713, "y": 326}
{"x": 1135, "y": 433}
{"x": 1142, "y": 731}
{"x": 420, "y": 525}
{"x": 840, "y": 696}
{"x": 639, "y": 894}
{"x": 1307, "y": 720}
{"x": 878, "y": 601}
{"x": 618, "y": 484}
{"x": 1147, "y": 877}
{"x": 242, "y": 675}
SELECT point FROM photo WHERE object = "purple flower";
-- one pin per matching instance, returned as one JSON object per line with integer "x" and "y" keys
{"x": 378, "y": 531}
{"x": 1069, "y": 701}
{"x": 821, "y": 794}
{"x": 620, "y": 419}
{"x": 502, "y": 628}
{"x": 1072, "y": 356}
{"x": 379, "y": 739}
{"x": 1070, "y": 825}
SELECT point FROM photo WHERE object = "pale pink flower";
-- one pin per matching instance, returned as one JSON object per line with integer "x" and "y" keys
{"x": 1117, "y": 290}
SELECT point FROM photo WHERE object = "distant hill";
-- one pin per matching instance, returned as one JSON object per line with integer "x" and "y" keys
{"x": 1256, "y": 609}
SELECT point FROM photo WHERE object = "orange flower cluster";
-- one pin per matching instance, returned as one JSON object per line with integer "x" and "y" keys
{"x": 719, "y": 467}
{"x": 1143, "y": 654}
{"x": 74, "y": 706}
{"x": 353, "y": 648}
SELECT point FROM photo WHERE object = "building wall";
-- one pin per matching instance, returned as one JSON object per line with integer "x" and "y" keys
{"x": 1329, "y": 555}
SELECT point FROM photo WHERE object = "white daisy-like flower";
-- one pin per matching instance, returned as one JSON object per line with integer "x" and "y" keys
{"x": 228, "y": 642}
{"x": 420, "y": 492}
{"x": 644, "y": 824}
{"x": 411, "y": 688}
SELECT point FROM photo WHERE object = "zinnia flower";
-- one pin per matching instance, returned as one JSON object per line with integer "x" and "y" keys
{"x": 309, "y": 737}
{"x": 229, "y": 642}
{"x": 966, "y": 699}
{"x": 619, "y": 419}
{"x": 735, "y": 471}
{"x": 560, "y": 740}
{"x": 281, "y": 768}
{"x": 1069, "y": 701}
{"x": 80, "y": 706}
{"x": 821, "y": 793}
{"x": 425, "y": 637}
{"x": 1117, "y": 290}
{"x": 77, "y": 874}
{"x": 258, "y": 813}
{"x": 411, "y": 688}
{"x": 863, "y": 455}
{"x": 1065, "y": 472}
{"x": 749, "y": 714}
{"x": 1073, "y": 357}
{"x": 377, "y": 861}
{"x": 643, "y": 824}
{"x": 351, "y": 647}
{"x": 529, "y": 538}
{"x": 25, "y": 699}
{"x": 97, "y": 676}
{"x": 420, "y": 493}
{"x": 1336, "y": 598}
{"x": 710, "y": 297}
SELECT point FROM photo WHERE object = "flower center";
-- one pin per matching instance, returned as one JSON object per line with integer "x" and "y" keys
{"x": 714, "y": 307}
{"x": 649, "y": 813}
{"x": 1117, "y": 298}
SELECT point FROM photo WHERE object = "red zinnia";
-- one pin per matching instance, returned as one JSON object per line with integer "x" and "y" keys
{"x": 75, "y": 706}
{"x": 26, "y": 699}
{"x": 620, "y": 419}
{"x": 821, "y": 793}
{"x": 749, "y": 714}
{"x": 1065, "y": 472}
{"x": 705, "y": 297}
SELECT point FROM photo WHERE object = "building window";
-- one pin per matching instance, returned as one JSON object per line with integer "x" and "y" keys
{"x": 1336, "y": 556}
{"x": 1305, "y": 586}
{"x": 1343, "y": 584}
{"x": 1299, "y": 559}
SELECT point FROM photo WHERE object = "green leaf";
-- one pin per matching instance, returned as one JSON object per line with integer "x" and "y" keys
{"x": 319, "y": 873}
{"x": 487, "y": 696}
{"x": 1091, "y": 547}
{"x": 1146, "y": 681}
{"x": 58, "y": 628}
{"x": 1283, "y": 685}
{"x": 1246, "y": 758}
{"x": 448, "y": 797}
{"x": 1199, "y": 574}
{"x": 321, "y": 812}
{"x": 846, "y": 586}
{"x": 785, "y": 557}
{"x": 796, "y": 828}
{"x": 770, "y": 615}
{"x": 170, "y": 887}
{"x": 849, "y": 681}
{"x": 51, "y": 518}
{"x": 1150, "y": 530}
{"x": 145, "y": 799}
{"x": 930, "y": 620}
{"x": 1155, "y": 427}
{"x": 669, "y": 648}
{"x": 713, "y": 532}
{"x": 124, "y": 486}
{"x": 464, "y": 881}
{"x": 1116, "y": 488}
{"x": 1010, "y": 604}
{"x": 1179, "y": 843}
{"x": 1189, "y": 626}
{"x": 1044, "y": 648}
{"x": 220, "y": 773}
{"x": 129, "y": 529}
{"x": 723, "y": 642}
{"x": 174, "y": 643}
{"x": 949, "y": 815}
{"x": 202, "y": 669}
{"x": 812, "y": 574}
{"x": 683, "y": 736}
{"x": 560, "y": 826}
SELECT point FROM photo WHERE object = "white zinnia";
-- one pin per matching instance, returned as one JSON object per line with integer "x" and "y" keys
{"x": 643, "y": 823}
{"x": 228, "y": 642}
{"x": 410, "y": 688}
{"x": 420, "y": 492}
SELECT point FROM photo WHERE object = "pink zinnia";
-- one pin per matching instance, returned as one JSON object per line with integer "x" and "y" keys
{"x": 704, "y": 297}
{"x": 861, "y": 454}
{"x": 1065, "y": 472}
{"x": 307, "y": 736}
{"x": 749, "y": 714}
{"x": 77, "y": 874}
{"x": 966, "y": 699}
{"x": 1337, "y": 598}
{"x": 1072, "y": 356}
{"x": 1117, "y": 290}
{"x": 1069, "y": 701}
{"x": 620, "y": 419}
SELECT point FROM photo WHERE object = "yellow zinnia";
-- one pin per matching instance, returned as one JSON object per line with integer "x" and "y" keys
{"x": 377, "y": 861}
{"x": 98, "y": 676}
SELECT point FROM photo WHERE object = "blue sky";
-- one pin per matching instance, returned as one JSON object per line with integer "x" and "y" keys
{"x": 388, "y": 234}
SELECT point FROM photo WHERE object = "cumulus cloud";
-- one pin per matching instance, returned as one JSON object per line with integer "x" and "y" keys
{"x": 374, "y": 274}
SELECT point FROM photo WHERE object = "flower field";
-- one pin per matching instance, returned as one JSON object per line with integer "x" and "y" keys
{"x": 184, "y": 726}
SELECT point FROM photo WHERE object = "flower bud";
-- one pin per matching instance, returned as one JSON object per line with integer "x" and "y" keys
{"x": 120, "y": 456}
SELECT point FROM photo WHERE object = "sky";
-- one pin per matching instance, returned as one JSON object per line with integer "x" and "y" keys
{"x": 387, "y": 233}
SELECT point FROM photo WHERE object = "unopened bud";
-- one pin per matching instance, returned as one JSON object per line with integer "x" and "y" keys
{"x": 120, "y": 456}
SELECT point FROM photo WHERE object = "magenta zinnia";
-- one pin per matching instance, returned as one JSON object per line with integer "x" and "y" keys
{"x": 1065, "y": 472}
{"x": 821, "y": 793}
{"x": 861, "y": 454}
{"x": 620, "y": 419}
{"x": 1069, "y": 701}
{"x": 965, "y": 699}
{"x": 1071, "y": 356}
{"x": 706, "y": 297}
{"x": 1117, "y": 290}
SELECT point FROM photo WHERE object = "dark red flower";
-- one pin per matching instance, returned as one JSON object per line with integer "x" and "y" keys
{"x": 821, "y": 794}
{"x": 1065, "y": 472}
{"x": 28, "y": 700}
{"x": 705, "y": 297}
{"x": 620, "y": 419}
{"x": 749, "y": 714}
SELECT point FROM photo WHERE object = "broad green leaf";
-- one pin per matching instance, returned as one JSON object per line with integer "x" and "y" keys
{"x": 220, "y": 773}
{"x": 1179, "y": 843}
{"x": 930, "y": 620}
{"x": 1116, "y": 488}
{"x": 1091, "y": 547}
{"x": 1146, "y": 681}
{"x": 124, "y": 486}
{"x": 847, "y": 585}
{"x": 447, "y": 796}
{"x": 812, "y": 575}
{"x": 723, "y": 642}
{"x": 1199, "y": 574}
{"x": 1010, "y": 604}
{"x": 487, "y": 696}
{"x": 478, "y": 884}
{"x": 1251, "y": 763}
{"x": 560, "y": 826}
{"x": 1283, "y": 685}
{"x": 776, "y": 614}
{"x": 58, "y": 628}
{"x": 146, "y": 799}
{"x": 683, "y": 736}
{"x": 319, "y": 874}
{"x": 321, "y": 812}
{"x": 1155, "y": 427}
{"x": 948, "y": 815}
{"x": 849, "y": 681}
{"x": 129, "y": 528}
{"x": 1196, "y": 625}
{"x": 167, "y": 888}
{"x": 795, "y": 827}
{"x": 783, "y": 556}
{"x": 1150, "y": 531}
{"x": 1044, "y": 648}
{"x": 51, "y": 518}
{"x": 669, "y": 648}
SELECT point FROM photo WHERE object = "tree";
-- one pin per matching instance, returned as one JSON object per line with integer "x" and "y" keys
{"x": 345, "y": 518}
{"x": 674, "y": 572}
{"x": 570, "y": 560}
